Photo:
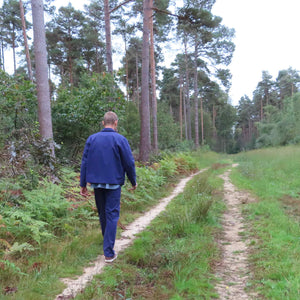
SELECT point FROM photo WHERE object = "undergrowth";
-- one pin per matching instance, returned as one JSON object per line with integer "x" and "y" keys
{"x": 49, "y": 232}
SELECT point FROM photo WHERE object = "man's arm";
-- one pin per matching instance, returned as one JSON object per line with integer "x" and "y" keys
{"x": 84, "y": 165}
{"x": 128, "y": 162}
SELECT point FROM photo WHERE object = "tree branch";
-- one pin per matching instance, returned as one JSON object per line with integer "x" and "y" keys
{"x": 166, "y": 12}
{"x": 118, "y": 6}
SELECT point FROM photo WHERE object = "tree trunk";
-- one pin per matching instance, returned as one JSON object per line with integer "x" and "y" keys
{"x": 153, "y": 83}
{"x": 97, "y": 60}
{"x": 43, "y": 94}
{"x": 2, "y": 57}
{"x": 126, "y": 70}
{"x": 214, "y": 122}
{"x": 71, "y": 69}
{"x": 180, "y": 106}
{"x": 261, "y": 108}
{"x": 185, "y": 121}
{"x": 145, "y": 142}
{"x": 28, "y": 60}
{"x": 14, "y": 49}
{"x": 202, "y": 121}
{"x": 109, "y": 61}
{"x": 137, "y": 82}
{"x": 196, "y": 96}
{"x": 1, "y": 64}
{"x": 188, "y": 104}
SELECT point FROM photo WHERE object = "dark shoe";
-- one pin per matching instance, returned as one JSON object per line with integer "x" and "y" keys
{"x": 111, "y": 259}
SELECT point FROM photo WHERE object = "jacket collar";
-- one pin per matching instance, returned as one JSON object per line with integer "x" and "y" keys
{"x": 107, "y": 130}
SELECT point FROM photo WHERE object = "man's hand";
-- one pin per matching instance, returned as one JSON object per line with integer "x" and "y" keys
{"x": 133, "y": 187}
{"x": 84, "y": 191}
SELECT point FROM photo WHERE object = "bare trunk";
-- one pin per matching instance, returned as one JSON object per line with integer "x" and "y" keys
{"x": 70, "y": 69}
{"x": 180, "y": 107}
{"x": 196, "y": 97}
{"x": 14, "y": 49}
{"x": 261, "y": 108}
{"x": 188, "y": 104}
{"x": 185, "y": 122}
{"x": 109, "y": 61}
{"x": 153, "y": 84}
{"x": 97, "y": 60}
{"x": 28, "y": 60}
{"x": 126, "y": 68}
{"x": 137, "y": 82}
{"x": 3, "y": 64}
{"x": 202, "y": 121}
{"x": 43, "y": 94}
{"x": 214, "y": 122}
{"x": 145, "y": 142}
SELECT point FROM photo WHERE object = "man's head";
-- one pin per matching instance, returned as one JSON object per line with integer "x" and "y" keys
{"x": 110, "y": 120}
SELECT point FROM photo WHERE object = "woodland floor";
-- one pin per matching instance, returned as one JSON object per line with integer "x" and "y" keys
{"x": 232, "y": 270}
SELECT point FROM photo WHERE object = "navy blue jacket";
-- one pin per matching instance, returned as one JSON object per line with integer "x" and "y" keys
{"x": 106, "y": 158}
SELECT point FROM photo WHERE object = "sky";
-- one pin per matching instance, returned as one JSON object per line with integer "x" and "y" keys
{"x": 266, "y": 39}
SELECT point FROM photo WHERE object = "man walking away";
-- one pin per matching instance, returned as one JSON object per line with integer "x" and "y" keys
{"x": 106, "y": 159}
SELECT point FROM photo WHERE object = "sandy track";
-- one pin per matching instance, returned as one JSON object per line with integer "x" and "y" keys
{"x": 233, "y": 270}
{"x": 74, "y": 286}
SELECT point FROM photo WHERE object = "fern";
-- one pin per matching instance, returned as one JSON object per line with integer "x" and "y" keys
{"x": 11, "y": 267}
{"x": 18, "y": 248}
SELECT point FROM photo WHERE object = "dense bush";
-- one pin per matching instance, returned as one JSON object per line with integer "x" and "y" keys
{"x": 78, "y": 112}
{"x": 18, "y": 105}
{"x": 280, "y": 127}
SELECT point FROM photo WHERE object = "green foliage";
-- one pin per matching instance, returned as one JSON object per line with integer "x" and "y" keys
{"x": 151, "y": 178}
{"x": 10, "y": 267}
{"x": 280, "y": 127}
{"x": 18, "y": 105}
{"x": 149, "y": 181}
{"x": 78, "y": 113}
{"x": 168, "y": 130}
{"x": 130, "y": 125}
{"x": 167, "y": 167}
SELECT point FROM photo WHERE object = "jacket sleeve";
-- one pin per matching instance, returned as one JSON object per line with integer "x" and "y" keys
{"x": 84, "y": 164}
{"x": 128, "y": 161}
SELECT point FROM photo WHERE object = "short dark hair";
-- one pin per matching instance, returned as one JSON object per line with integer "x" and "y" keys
{"x": 110, "y": 118}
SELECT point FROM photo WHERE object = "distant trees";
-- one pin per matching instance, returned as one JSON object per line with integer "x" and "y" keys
{"x": 11, "y": 27}
{"x": 270, "y": 118}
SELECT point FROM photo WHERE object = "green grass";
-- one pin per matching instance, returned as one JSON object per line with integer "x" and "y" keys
{"x": 174, "y": 258}
{"x": 271, "y": 175}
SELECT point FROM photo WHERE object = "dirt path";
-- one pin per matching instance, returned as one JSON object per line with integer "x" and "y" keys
{"x": 233, "y": 270}
{"x": 74, "y": 286}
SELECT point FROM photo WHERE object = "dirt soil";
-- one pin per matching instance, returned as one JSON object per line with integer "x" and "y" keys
{"x": 75, "y": 286}
{"x": 233, "y": 269}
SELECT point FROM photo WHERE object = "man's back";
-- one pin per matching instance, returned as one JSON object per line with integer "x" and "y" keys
{"x": 106, "y": 158}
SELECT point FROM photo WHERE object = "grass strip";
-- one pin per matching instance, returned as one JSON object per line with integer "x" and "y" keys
{"x": 271, "y": 174}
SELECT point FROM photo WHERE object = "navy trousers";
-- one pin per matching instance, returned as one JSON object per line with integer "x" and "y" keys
{"x": 108, "y": 205}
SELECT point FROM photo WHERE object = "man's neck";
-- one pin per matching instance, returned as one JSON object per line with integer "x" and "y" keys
{"x": 111, "y": 127}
